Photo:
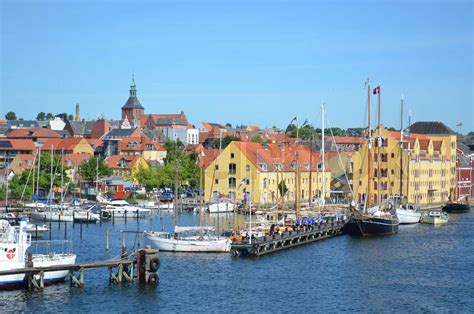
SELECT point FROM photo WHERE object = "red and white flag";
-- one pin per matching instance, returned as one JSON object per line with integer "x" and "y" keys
{"x": 376, "y": 90}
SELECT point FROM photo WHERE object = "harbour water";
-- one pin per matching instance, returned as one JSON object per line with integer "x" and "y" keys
{"x": 422, "y": 268}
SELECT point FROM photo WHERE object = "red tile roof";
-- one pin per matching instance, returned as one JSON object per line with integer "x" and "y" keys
{"x": 32, "y": 133}
{"x": 17, "y": 144}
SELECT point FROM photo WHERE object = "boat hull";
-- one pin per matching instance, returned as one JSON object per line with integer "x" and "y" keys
{"x": 456, "y": 208}
{"x": 371, "y": 226}
{"x": 51, "y": 216}
{"x": 187, "y": 246}
{"x": 408, "y": 216}
{"x": 221, "y": 208}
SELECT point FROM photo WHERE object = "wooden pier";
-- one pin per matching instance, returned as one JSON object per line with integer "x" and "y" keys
{"x": 120, "y": 270}
{"x": 276, "y": 242}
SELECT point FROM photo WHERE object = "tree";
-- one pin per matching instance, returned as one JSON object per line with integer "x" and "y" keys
{"x": 225, "y": 141}
{"x": 49, "y": 116}
{"x": 41, "y": 116}
{"x": 470, "y": 133}
{"x": 70, "y": 117}
{"x": 282, "y": 189}
{"x": 92, "y": 168}
{"x": 228, "y": 124}
{"x": 256, "y": 139}
{"x": 10, "y": 115}
{"x": 290, "y": 128}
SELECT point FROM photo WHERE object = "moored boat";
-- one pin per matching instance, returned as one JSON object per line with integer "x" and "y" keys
{"x": 14, "y": 243}
{"x": 223, "y": 206}
{"x": 456, "y": 207}
{"x": 52, "y": 215}
{"x": 188, "y": 239}
{"x": 380, "y": 223}
{"x": 408, "y": 216}
{"x": 434, "y": 217}
{"x": 122, "y": 209}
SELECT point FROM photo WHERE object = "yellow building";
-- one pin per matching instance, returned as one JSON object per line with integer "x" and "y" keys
{"x": 245, "y": 167}
{"x": 425, "y": 164}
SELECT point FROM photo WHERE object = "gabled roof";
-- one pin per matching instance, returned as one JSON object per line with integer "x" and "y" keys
{"x": 431, "y": 128}
{"x": 66, "y": 144}
{"x": 115, "y": 161}
{"x": 15, "y": 144}
{"x": 17, "y": 124}
{"x": 71, "y": 160}
{"x": 171, "y": 121}
{"x": 143, "y": 118}
{"x": 32, "y": 133}
{"x": 119, "y": 133}
{"x": 81, "y": 127}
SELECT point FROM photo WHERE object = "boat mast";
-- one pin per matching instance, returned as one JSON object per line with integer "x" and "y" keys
{"x": 218, "y": 196}
{"x": 379, "y": 144}
{"x": 62, "y": 177}
{"x": 38, "y": 177}
{"x": 297, "y": 186}
{"x": 96, "y": 177}
{"x": 323, "y": 166}
{"x": 401, "y": 150}
{"x": 369, "y": 146}
{"x": 51, "y": 180}
{"x": 175, "y": 206}
{"x": 311, "y": 170}
{"x": 200, "y": 196}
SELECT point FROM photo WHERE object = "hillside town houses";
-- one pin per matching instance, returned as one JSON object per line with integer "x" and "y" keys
{"x": 427, "y": 163}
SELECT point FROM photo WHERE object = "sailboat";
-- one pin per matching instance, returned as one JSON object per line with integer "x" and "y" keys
{"x": 372, "y": 221}
{"x": 193, "y": 239}
{"x": 14, "y": 243}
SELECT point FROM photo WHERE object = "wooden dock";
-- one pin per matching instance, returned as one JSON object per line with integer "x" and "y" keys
{"x": 276, "y": 242}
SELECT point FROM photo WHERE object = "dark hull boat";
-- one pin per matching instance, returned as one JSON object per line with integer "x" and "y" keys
{"x": 367, "y": 225}
{"x": 456, "y": 208}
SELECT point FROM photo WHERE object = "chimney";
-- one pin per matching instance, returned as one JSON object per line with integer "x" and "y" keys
{"x": 78, "y": 114}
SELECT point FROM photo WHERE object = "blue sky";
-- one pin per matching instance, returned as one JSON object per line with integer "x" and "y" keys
{"x": 250, "y": 62}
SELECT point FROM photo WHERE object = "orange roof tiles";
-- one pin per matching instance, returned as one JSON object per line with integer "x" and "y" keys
{"x": 18, "y": 144}
{"x": 32, "y": 133}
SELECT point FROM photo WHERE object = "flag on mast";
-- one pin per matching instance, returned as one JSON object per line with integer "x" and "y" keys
{"x": 376, "y": 90}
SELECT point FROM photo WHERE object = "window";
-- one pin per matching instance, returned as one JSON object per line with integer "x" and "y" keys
{"x": 393, "y": 155}
{"x": 247, "y": 168}
{"x": 232, "y": 168}
{"x": 216, "y": 181}
{"x": 231, "y": 155}
{"x": 232, "y": 183}
{"x": 217, "y": 167}
{"x": 247, "y": 181}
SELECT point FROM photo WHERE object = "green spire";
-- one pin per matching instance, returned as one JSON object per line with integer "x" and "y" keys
{"x": 133, "y": 87}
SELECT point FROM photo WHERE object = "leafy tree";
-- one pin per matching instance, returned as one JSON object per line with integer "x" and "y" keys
{"x": 225, "y": 141}
{"x": 49, "y": 116}
{"x": 470, "y": 133}
{"x": 10, "y": 115}
{"x": 282, "y": 188}
{"x": 70, "y": 117}
{"x": 41, "y": 116}
{"x": 89, "y": 169}
{"x": 290, "y": 128}
{"x": 228, "y": 125}
{"x": 256, "y": 139}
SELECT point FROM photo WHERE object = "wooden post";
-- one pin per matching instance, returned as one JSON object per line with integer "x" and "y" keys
{"x": 81, "y": 277}
{"x": 124, "y": 246}
{"x": 30, "y": 260}
{"x": 107, "y": 239}
{"x": 65, "y": 230}
{"x": 36, "y": 231}
{"x": 139, "y": 268}
{"x": 81, "y": 229}
{"x": 50, "y": 227}
{"x": 41, "y": 274}
{"x": 59, "y": 221}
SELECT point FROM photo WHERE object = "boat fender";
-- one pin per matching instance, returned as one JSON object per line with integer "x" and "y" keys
{"x": 154, "y": 264}
{"x": 153, "y": 278}
{"x": 11, "y": 254}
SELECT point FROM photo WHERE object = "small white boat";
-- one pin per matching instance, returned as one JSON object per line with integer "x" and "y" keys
{"x": 85, "y": 215}
{"x": 122, "y": 209}
{"x": 434, "y": 217}
{"x": 14, "y": 243}
{"x": 188, "y": 239}
{"x": 224, "y": 206}
{"x": 35, "y": 205}
{"x": 408, "y": 215}
{"x": 36, "y": 231}
{"x": 166, "y": 206}
{"x": 56, "y": 215}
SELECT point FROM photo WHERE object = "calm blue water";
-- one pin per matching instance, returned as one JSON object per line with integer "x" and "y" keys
{"x": 422, "y": 268}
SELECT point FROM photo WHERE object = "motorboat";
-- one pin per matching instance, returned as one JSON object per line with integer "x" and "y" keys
{"x": 223, "y": 206}
{"x": 456, "y": 207}
{"x": 188, "y": 239}
{"x": 434, "y": 217}
{"x": 35, "y": 205}
{"x": 122, "y": 209}
{"x": 408, "y": 215}
{"x": 52, "y": 215}
{"x": 89, "y": 214}
{"x": 14, "y": 243}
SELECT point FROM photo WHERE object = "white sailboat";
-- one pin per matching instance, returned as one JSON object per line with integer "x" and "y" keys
{"x": 188, "y": 239}
{"x": 13, "y": 245}
{"x": 223, "y": 206}
{"x": 408, "y": 215}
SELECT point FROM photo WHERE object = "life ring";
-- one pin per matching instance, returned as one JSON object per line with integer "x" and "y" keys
{"x": 154, "y": 264}
{"x": 11, "y": 254}
{"x": 153, "y": 278}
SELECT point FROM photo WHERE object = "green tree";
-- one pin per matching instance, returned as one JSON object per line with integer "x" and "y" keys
{"x": 92, "y": 168}
{"x": 41, "y": 116}
{"x": 256, "y": 139}
{"x": 49, "y": 116}
{"x": 282, "y": 189}
{"x": 10, "y": 115}
{"x": 70, "y": 117}
{"x": 225, "y": 141}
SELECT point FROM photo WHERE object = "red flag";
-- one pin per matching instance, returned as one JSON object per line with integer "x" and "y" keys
{"x": 376, "y": 90}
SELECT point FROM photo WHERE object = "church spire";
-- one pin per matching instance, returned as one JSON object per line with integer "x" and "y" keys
{"x": 133, "y": 87}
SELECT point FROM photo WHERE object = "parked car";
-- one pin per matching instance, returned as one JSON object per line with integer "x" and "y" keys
{"x": 166, "y": 197}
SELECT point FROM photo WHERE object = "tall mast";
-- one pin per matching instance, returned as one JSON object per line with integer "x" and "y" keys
{"x": 96, "y": 177}
{"x": 369, "y": 147}
{"x": 379, "y": 144}
{"x": 218, "y": 196}
{"x": 401, "y": 149}
{"x": 310, "y": 171}
{"x": 200, "y": 196}
{"x": 39, "y": 164}
{"x": 297, "y": 186}
{"x": 51, "y": 180}
{"x": 323, "y": 166}
{"x": 62, "y": 177}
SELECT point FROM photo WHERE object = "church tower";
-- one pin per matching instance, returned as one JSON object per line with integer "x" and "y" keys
{"x": 132, "y": 108}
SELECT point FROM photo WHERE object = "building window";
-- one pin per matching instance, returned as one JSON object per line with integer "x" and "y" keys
{"x": 216, "y": 181}
{"x": 232, "y": 168}
{"x": 232, "y": 183}
{"x": 232, "y": 155}
{"x": 247, "y": 168}
{"x": 217, "y": 167}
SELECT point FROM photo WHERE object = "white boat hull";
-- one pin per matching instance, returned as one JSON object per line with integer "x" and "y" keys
{"x": 122, "y": 213}
{"x": 408, "y": 216}
{"x": 221, "y": 208}
{"x": 434, "y": 220}
{"x": 191, "y": 246}
{"x": 51, "y": 216}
